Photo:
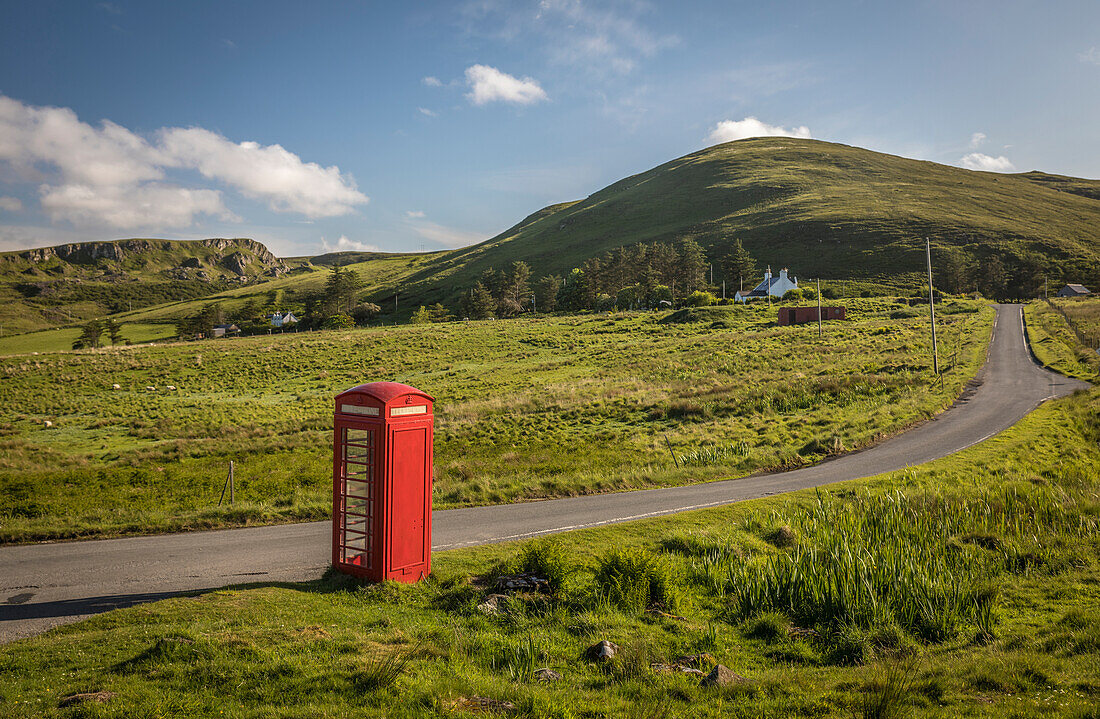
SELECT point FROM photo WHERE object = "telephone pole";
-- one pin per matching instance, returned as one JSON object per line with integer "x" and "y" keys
{"x": 819, "y": 331}
{"x": 932, "y": 312}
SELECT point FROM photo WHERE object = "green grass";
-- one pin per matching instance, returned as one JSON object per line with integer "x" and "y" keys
{"x": 527, "y": 408}
{"x": 1013, "y": 523}
{"x": 1056, "y": 345}
{"x": 62, "y": 338}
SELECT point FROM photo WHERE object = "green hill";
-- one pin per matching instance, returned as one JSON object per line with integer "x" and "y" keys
{"x": 821, "y": 209}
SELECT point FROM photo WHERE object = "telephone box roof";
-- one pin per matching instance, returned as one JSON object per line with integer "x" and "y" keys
{"x": 386, "y": 391}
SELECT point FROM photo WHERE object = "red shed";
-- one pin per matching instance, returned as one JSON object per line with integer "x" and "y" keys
{"x": 802, "y": 315}
{"x": 382, "y": 482}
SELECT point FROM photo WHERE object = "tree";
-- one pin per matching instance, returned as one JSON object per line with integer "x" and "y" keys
{"x": 573, "y": 294}
{"x": 693, "y": 265}
{"x": 340, "y": 290}
{"x": 546, "y": 293}
{"x": 953, "y": 269}
{"x": 477, "y": 303}
{"x": 114, "y": 331}
{"x": 738, "y": 265}
{"x": 90, "y": 335}
{"x": 421, "y": 316}
{"x": 439, "y": 313}
{"x": 994, "y": 277}
{"x": 518, "y": 287}
{"x": 365, "y": 312}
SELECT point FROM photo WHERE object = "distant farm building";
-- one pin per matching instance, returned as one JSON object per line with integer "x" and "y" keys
{"x": 773, "y": 286}
{"x": 223, "y": 330}
{"x": 802, "y": 315}
{"x": 1072, "y": 290}
{"x": 280, "y": 319}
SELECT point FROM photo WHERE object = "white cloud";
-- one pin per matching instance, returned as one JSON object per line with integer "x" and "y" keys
{"x": 431, "y": 81}
{"x": 978, "y": 161}
{"x": 11, "y": 204}
{"x": 976, "y": 140}
{"x": 488, "y": 84}
{"x": 264, "y": 172}
{"x": 440, "y": 234}
{"x": 730, "y": 130}
{"x": 1090, "y": 56}
{"x": 149, "y": 205}
{"x": 89, "y": 174}
{"x": 426, "y": 111}
{"x": 345, "y": 245}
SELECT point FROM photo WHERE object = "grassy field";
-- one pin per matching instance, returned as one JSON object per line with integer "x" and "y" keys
{"x": 963, "y": 588}
{"x": 1083, "y": 314}
{"x": 1054, "y": 342}
{"x": 62, "y": 338}
{"x": 527, "y": 408}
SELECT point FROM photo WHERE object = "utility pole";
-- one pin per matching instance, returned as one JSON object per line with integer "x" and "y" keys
{"x": 932, "y": 312}
{"x": 723, "y": 289}
{"x": 395, "y": 301}
{"x": 819, "y": 331}
{"x": 712, "y": 274}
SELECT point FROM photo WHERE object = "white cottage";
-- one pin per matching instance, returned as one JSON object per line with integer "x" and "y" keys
{"x": 774, "y": 286}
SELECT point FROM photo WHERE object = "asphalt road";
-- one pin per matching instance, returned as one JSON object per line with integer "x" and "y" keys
{"x": 44, "y": 585}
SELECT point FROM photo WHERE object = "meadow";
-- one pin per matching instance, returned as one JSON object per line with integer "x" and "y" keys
{"x": 1056, "y": 344}
{"x": 966, "y": 587}
{"x": 529, "y": 408}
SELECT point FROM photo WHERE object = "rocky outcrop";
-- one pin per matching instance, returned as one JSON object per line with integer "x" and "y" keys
{"x": 238, "y": 255}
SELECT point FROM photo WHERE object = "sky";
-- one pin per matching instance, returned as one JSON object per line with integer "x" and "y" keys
{"x": 406, "y": 126}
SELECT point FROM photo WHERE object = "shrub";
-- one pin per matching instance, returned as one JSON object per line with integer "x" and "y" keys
{"x": 793, "y": 295}
{"x": 701, "y": 299}
{"x": 830, "y": 293}
{"x": 635, "y": 579}
{"x": 548, "y": 559}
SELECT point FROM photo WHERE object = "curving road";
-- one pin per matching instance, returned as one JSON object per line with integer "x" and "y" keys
{"x": 45, "y": 585}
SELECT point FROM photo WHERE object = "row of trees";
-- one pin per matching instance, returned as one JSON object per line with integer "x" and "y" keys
{"x": 633, "y": 277}
{"x": 91, "y": 334}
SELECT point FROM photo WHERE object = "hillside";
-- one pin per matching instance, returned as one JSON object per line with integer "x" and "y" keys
{"x": 51, "y": 285}
{"x": 819, "y": 208}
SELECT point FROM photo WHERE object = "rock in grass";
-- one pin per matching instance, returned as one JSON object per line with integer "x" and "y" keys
{"x": 484, "y": 704}
{"x": 546, "y": 674}
{"x": 720, "y": 676}
{"x": 94, "y": 697}
{"x": 491, "y": 605}
{"x": 602, "y": 651}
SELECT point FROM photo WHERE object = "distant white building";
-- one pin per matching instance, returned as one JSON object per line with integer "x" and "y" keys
{"x": 774, "y": 286}
{"x": 281, "y": 319}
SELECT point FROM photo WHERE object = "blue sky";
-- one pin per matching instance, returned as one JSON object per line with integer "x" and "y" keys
{"x": 421, "y": 126}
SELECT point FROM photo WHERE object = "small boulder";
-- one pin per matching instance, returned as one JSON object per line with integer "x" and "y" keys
{"x": 721, "y": 676}
{"x": 546, "y": 674}
{"x": 47, "y": 424}
{"x": 116, "y": 386}
{"x": 491, "y": 605}
{"x": 602, "y": 651}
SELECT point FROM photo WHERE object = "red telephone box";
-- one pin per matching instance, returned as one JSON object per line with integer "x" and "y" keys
{"x": 382, "y": 482}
